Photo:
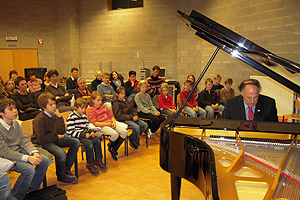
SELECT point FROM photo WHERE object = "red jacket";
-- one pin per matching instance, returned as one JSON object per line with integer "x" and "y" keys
{"x": 100, "y": 114}
{"x": 166, "y": 102}
{"x": 191, "y": 102}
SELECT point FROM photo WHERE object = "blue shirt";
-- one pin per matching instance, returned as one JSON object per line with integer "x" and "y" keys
{"x": 247, "y": 110}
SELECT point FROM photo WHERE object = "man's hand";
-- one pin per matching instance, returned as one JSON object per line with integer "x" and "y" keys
{"x": 35, "y": 160}
{"x": 196, "y": 109}
{"x": 92, "y": 134}
{"x": 135, "y": 118}
{"x": 215, "y": 106}
{"x": 61, "y": 136}
{"x": 87, "y": 135}
{"x": 173, "y": 110}
{"x": 157, "y": 113}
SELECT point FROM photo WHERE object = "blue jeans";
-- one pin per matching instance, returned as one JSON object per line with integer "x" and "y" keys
{"x": 192, "y": 113}
{"x": 63, "y": 161}
{"x": 211, "y": 111}
{"x": 138, "y": 128}
{"x": 5, "y": 186}
{"x": 30, "y": 176}
{"x": 92, "y": 145}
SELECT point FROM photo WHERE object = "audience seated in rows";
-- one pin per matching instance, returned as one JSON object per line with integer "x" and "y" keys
{"x": 131, "y": 85}
{"x": 124, "y": 111}
{"x": 25, "y": 101}
{"x": 78, "y": 127}
{"x": 101, "y": 116}
{"x": 97, "y": 80}
{"x": 15, "y": 146}
{"x": 72, "y": 81}
{"x": 209, "y": 99}
{"x": 49, "y": 131}
{"x": 61, "y": 95}
{"x": 116, "y": 80}
{"x": 146, "y": 109}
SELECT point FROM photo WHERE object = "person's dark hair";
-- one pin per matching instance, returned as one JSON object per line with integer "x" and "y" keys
{"x": 80, "y": 102}
{"x": 188, "y": 82}
{"x": 191, "y": 75}
{"x": 5, "y": 102}
{"x": 111, "y": 75}
{"x": 155, "y": 67}
{"x": 74, "y": 69}
{"x": 12, "y": 72}
{"x": 19, "y": 79}
{"x": 44, "y": 99}
{"x": 30, "y": 74}
{"x": 249, "y": 82}
{"x": 119, "y": 89}
{"x": 51, "y": 72}
{"x": 132, "y": 73}
{"x": 229, "y": 80}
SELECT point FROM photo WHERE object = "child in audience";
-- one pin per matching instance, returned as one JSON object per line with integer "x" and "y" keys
{"x": 191, "y": 78}
{"x": 106, "y": 90}
{"x": 209, "y": 99}
{"x": 125, "y": 112}
{"x": 34, "y": 84}
{"x": 15, "y": 146}
{"x": 166, "y": 104}
{"x": 191, "y": 107}
{"x": 217, "y": 85}
{"x": 227, "y": 92}
{"x": 78, "y": 127}
{"x": 49, "y": 131}
{"x": 146, "y": 109}
{"x": 101, "y": 116}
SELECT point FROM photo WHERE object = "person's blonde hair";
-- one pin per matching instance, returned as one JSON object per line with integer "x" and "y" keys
{"x": 141, "y": 83}
{"x": 218, "y": 76}
{"x": 94, "y": 95}
{"x": 80, "y": 102}
{"x": 98, "y": 73}
{"x": 164, "y": 85}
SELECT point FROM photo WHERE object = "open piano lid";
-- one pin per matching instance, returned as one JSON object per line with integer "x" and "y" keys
{"x": 241, "y": 48}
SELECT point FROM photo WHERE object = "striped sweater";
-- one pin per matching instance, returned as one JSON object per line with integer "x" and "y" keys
{"x": 77, "y": 125}
{"x": 154, "y": 84}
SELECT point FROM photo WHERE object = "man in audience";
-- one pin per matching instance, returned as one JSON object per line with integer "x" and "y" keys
{"x": 154, "y": 82}
{"x": 72, "y": 81}
{"x": 251, "y": 105}
{"x": 49, "y": 131}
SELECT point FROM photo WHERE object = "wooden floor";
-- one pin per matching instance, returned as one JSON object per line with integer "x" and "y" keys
{"x": 137, "y": 176}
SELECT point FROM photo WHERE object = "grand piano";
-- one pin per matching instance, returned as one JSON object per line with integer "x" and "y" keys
{"x": 232, "y": 159}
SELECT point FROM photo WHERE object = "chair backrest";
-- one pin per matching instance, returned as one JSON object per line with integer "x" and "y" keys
{"x": 65, "y": 115}
{"x": 179, "y": 103}
{"x": 297, "y": 102}
{"x": 27, "y": 127}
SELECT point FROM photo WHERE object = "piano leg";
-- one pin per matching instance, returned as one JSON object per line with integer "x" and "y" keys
{"x": 175, "y": 187}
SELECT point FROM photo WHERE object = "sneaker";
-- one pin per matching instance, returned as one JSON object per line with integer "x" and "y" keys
{"x": 92, "y": 169}
{"x": 100, "y": 164}
{"x": 69, "y": 180}
{"x": 150, "y": 134}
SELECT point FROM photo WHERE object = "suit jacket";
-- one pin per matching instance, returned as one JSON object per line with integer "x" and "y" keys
{"x": 265, "y": 109}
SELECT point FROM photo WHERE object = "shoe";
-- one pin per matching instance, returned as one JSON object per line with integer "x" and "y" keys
{"x": 69, "y": 180}
{"x": 113, "y": 153}
{"x": 111, "y": 144}
{"x": 92, "y": 169}
{"x": 150, "y": 134}
{"x": 132, "y": 144}
{"x": 100, "y": 164}
{"x": 30, "y": 189}
{"x": 69, "y": 174}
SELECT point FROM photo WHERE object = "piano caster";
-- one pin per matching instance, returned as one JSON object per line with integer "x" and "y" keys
{"x": 175, "y": 187}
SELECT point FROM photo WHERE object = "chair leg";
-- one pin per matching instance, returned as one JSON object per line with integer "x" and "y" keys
{"x": 82, "y": 150}
{"x": 147, "y": 138}
{"x": 104, "y": 148}
{"x": 45, "y": 181}
{"x": 76, "y": 167}
{"x": 126, "y": 145}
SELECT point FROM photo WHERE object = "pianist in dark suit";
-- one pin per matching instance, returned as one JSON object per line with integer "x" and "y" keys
{"x": 250, "y": 105}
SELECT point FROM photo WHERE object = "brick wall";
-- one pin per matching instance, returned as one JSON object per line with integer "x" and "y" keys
{"x": 84, "y": 33}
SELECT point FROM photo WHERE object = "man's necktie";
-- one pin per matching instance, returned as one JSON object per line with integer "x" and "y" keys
{"x": 251, "y": 114}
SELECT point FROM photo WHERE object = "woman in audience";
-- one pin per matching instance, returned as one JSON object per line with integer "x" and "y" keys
{"x": 9, "y": 88}
{"x": 82, "y": 91}
{"x": 131, "y": 85}
{"x": 61, "y": 95}
{"x": 116, "y": 80}
{"x": 46, "y": 82}
{"x": 34, "y": 84}
{"x": 97, "y": 81}
{"x": 146, "y": 109}
{"x": 25, "y": 101}
{"x": 191, "y": 78}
